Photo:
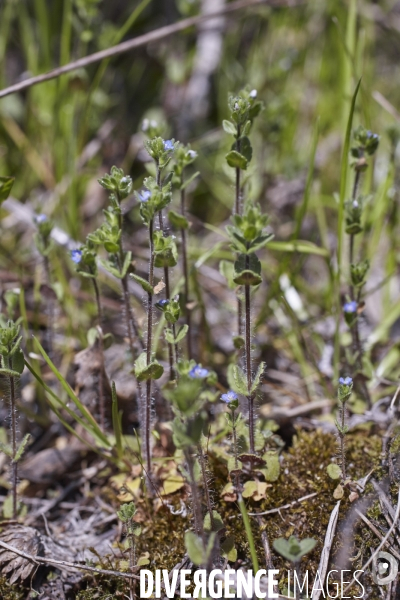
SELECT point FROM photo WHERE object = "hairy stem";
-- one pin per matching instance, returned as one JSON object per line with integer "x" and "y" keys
{"x": 131, "y": 325}
{"x": 238, "y": 212}
{"x": 205, "y": 483}
{"x": 188, "y": 315}
{"x": 235, "y": 448}
{"x": 166, "y": 280}
{"x": 14, "y": 464}
{"x": 50, "y": 308}
{"x": 250, "y": 397}
{"x": 102, "y": 400}
{"x": 147, "y": 424}
{"x": 355, "y": 334}
{"x": 197, "y": 513}
{"x": 342, "y": 445}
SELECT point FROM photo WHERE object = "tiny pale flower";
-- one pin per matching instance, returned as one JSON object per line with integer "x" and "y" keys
{"x": 350, "y": 307}
{"x": 76, "y": 256}
{"x": 230, "y": 396}
{"x": 198, "y": 372}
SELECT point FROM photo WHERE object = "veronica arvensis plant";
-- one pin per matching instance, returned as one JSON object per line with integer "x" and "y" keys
{"x": 365, "y": 144}
{"x": 12, "y": 366}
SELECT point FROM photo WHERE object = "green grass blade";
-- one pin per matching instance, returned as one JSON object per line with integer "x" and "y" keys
{"x": 310, "y": 175}
{"x": 71, "y": 413}
{"x": 67, "y": 388}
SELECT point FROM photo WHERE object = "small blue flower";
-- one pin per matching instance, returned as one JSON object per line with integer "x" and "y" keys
{"x": 229, "y": 397}
{"x": 144, "y": 196}
{"x": 350, "y": 307}
{"x": 41, "y": 219}
{"x": 168, "y": 145}
{"x": 345, "y": 381}
{"x": 76, "y": 256}
{"x": 198, "y": 372}
{"x": 192, "y": 154}
{"x": 162, "y": 303}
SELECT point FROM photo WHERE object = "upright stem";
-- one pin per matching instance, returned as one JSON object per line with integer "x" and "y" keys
{"x": 14, "y": 464}
{"x": 167, "y": 288}
{"x": 205, "y": 483}
{"x": 250, "y": 396}
{"x": 131, "y": 324}
{"x": 342, "y": 436}
{"x": 102, "y": 400}
{"x": 188, "y": 314}
{"x": 147, "y": 425}
{"x": 238, "y": 212}
{"x": 50, "y": 307}
{"x": 235, "y": 449}
{"x": 197, "y": 516}
{"x": 354, "y": 328}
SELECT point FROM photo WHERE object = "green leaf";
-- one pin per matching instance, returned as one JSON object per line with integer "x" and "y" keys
{"x": 126, "y": 265}
{"x": 195, "y": 548}
{"x": 182, "y": 331}
{"x": 22, "y": 446}
{"x": 144, "y": 371}
{"x": 189, "y": 180}
{"x": 272, "y": 470}
{"x": 217, "y": 523}
{"x": 8, "y": 507}
{"x": 247, "y": 270}
{"x": 6, "y": 449}
{"x": 237, "y": 380}
{"x": 229, "y": 127}
{"x": 144, "y": 283}
{"x": 334, "y": 471}
{"x": 18, "y": 361}
{"x": 257, "y": 376}
{"x": 292, "y": 549}
{"x": 178, "y": 220}
{"x": 9, "y": 372}
{"x": 301, "y": 246}
{"x": 6, "y": 184}
{"x": 245, "y": 148}
{"x": 228, "y": 549}
{"x": 236, "y": 160}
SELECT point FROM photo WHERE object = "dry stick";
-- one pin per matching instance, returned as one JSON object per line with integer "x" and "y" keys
{"x": 147, "y": 424}
{"x": 62, "y": 563}
{"x": 377, "y": 533}
{"x": 265, "y": 543}
{"x": 383, "y": 542}
{"x": 324, "y": 560}
{"x": 188, "y": 313}
{"x": 285, "y": 506}
{"x": 152, "y": 36}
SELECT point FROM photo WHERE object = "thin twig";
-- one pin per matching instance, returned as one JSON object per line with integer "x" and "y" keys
{"x": 275, "y": 510}
{"x": 379, "y": 548}
{"x": 63, "y": 563}
{"x": 142, "y": 40}
{"x": 377, "y": 533}
{"x": 324, "y": 560}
